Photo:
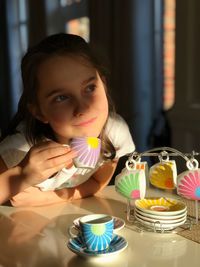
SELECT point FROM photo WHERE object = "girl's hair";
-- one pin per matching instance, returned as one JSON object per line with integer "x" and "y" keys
{"x": 57, "y": 44}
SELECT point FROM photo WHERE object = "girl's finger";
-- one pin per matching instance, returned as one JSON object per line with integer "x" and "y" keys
{"x": 56, "y": 152}
{"x": 57, "y": 168}
{"x": 60, "y": 160}
{"x": 48, "y": 145}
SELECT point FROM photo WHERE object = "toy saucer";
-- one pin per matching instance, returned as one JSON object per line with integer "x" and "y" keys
{"x": 157, "y": 225}
{"x": 161, "y": 216}
{"x": 161, "y": 206}
{"x": 117, "y": 245}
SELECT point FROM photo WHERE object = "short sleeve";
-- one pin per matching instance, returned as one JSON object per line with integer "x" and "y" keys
{"x": 13, "y": 149}
{"x": 119, "y": 134}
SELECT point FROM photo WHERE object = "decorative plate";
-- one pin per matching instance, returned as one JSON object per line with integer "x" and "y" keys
{"x": 161, "y": 206}
{"x": 161, "y": 216}
{"x": 117, "y": 245}
{"x": 162, "y": 220}
{"x": 160, "y": 226}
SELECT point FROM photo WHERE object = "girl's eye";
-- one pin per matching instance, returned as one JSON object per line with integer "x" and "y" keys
{"x": 61, "y": 98}
{"x": 90, "y": 88}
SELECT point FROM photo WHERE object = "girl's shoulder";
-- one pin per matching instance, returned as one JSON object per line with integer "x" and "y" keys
{"x": 15, "y": 141}
{"x": 116, "y": 122}
{"x": 14, "y": 147}
{"x": 119, "y": 134}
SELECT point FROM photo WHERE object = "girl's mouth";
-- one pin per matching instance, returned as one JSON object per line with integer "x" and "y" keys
{"x": 85, "y": 123}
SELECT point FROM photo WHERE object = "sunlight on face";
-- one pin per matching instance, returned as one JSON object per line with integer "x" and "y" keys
{"x": 71, "y": 97}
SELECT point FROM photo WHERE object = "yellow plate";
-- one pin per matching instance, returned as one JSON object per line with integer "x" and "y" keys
{"x": 162, "y": 206}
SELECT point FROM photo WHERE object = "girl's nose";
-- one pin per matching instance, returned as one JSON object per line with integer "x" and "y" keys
{"x": 81, "y": 108}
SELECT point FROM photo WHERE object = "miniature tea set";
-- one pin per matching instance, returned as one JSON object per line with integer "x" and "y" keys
{"x": 159, "y": 214}
{"x": 96, "y": 234}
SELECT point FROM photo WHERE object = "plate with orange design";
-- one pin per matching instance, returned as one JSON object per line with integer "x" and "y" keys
{"x": 161, "y": 206}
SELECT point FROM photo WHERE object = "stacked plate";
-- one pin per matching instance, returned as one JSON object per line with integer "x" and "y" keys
{"x": 160, "y": 213}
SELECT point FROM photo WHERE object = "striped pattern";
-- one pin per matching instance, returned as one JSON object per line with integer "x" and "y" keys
{"x": 189, "y": 184}
{"x": 98, "y": 236}
{"x": 131, "y": 184}
{"x": 117, "y": 245}
{"x": 88, "y": 150}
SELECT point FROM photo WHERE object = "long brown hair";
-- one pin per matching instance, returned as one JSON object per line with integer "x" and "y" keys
{"x": 57, "y": 44}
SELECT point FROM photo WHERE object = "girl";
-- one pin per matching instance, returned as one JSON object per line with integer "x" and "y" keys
{"x": 65, "y": 95}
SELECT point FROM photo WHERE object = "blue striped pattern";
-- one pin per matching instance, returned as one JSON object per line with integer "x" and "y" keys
{"x": 117, "y": 245}
{"x": 95, "y": 239}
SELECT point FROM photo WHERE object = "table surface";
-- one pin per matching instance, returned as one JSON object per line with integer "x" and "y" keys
{"x": 38, "y": 236}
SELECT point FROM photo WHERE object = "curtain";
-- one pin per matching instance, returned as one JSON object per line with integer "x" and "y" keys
{"x": 125, "y": 31}
{"x": 5, "y": 99}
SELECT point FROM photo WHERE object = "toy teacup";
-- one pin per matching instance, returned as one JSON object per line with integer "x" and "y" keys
{"x": 163, "y": 174}
{"x": 189, "y": 181}
{"x": 88, "y": 151}
{"x": 96, "y": 231}
{"x": 131, "y": 182}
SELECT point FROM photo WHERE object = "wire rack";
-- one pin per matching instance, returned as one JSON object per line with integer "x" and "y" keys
{"x": 163, "y": 153}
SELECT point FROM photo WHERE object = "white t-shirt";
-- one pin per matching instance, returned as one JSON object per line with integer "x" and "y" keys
{"x": 14, "y": 147}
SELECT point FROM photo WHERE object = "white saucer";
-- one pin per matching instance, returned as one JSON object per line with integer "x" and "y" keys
{"x": 162, "y": 216}
{"x": 118, "y": 223}
{"x": 161, "y": 206}
{"x": 160, "y": 226}
{"x": 161, "y": 219}
{"x": 117, "y": 245}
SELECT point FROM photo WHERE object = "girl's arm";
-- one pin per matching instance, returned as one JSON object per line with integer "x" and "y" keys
{"x": 11, "y": 183}
{"x": 33, "y": 196}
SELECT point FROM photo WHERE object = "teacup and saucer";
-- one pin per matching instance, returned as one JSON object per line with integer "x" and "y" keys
{"x": 95, "y": 237}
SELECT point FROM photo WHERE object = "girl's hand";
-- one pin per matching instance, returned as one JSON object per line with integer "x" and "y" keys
{"x": 33, "y": 196}
{"x": 43, "y": 160}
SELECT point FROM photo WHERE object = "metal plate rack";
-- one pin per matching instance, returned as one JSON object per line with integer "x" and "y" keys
{"x": 163, "y": 153}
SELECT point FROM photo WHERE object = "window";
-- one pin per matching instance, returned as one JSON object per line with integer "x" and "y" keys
{"x": 79, "y": 26}
{"x": 69, "y": 16}
{"x": 169, "y": 53}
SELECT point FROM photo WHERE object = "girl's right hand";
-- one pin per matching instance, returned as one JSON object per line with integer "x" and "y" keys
{"x": 45, "y": 159}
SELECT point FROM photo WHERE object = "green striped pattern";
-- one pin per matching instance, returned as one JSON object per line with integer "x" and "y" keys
{"x": 129, "y": 185}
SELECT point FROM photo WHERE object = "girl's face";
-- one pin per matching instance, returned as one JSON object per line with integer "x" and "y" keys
{"x": 71, "y": 97}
